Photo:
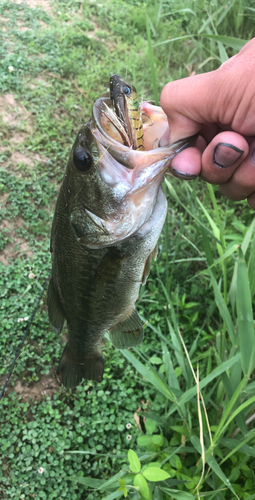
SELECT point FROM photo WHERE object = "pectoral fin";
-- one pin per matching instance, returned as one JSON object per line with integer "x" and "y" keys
{"x": 147, "y": 266}
{"x": 146, "y": 270}
{"x": 56, "y": 314}
{"x": 129, "y": 332}
{"x": 109, "y": 268}
{"x": 155, "y": 252}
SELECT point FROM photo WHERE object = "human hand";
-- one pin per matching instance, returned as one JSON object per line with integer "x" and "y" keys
{"x": 220, "y": 105}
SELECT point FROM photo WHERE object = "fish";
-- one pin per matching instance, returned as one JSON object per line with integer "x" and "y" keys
{"x": 127, "y": 108}
{"x": 108, "y": 217}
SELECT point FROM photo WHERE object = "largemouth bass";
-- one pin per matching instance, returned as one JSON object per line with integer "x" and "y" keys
{"x": 109, "y": 214}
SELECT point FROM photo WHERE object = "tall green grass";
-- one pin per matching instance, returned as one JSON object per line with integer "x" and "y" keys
{"x": 209, "y": 394}
{"x": 209, "y": 397}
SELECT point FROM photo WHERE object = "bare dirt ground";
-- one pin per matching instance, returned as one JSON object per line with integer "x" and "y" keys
{"x": 35, "y": 391}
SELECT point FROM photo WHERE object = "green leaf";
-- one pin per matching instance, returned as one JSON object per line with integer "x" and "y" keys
{"x": 245, "y": 317}
{"x": 155, "y": 360}
{"x": 123, "y": 487}
{"x": 144, "y": 440}
{"x": 155, "y": 474}
{"x": 154, "y": 464}
{"x": 177, "y": 494}
{"x": 184, "y": 431}
{"x": 135, "y": 464}
{"x": 144, "y": 489}
{"x": 157, "y": 439}
{"x": 150, "y": 425}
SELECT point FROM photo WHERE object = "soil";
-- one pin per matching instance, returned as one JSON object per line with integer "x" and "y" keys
{"x": 18, "y": 246}
{"x": 47, "y": 385}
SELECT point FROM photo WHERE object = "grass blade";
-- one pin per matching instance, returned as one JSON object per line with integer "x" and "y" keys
{"x": 248, "y": 236}
{"x": 152, "y": 63}
{"x": 229, "y": 408}
{"x": 237, "y": 411}
{"x": 245, "y": 317}
{"x": 188, "y": 395}
{"x": 170, "y": 373}
{"x": 230, "y": 41}
{"x": 224, "y": 312}
{"x": 151, "y": 375}
{"x": 213, "y": 464}
{"x": 236, "y": 445}
{"x": 251, "y": 267}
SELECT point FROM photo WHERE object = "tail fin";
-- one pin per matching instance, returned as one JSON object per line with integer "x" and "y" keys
{"x": 72, "y": 368}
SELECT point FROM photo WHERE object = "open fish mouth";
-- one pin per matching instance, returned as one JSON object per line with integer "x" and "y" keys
{"x": 110, "y": 126}
{"x": 109, "y": 132}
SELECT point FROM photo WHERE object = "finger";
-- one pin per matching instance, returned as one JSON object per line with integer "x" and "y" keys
{"x": 187, "y": 164}
{"x": 242, "y": 183}
{"x": 188, "y": 104}
{"x": 222, "y": 157}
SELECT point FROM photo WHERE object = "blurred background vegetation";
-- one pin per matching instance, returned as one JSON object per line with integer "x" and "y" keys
{"x": 56, "y": 59}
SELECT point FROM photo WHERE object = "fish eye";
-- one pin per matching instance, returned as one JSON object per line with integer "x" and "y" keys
{"x": 82, "y": 159}
{"x": 126, "y": 90}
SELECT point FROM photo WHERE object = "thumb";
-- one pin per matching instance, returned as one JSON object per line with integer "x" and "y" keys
{"x": 225, "y": 96}
{"x": 189, "y": 103}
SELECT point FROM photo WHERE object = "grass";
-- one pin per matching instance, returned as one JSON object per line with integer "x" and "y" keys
{"x": 199, "y": 293}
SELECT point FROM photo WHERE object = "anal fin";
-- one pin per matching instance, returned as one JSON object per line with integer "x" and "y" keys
{"x": 129, "y": 332}
{"x": 56, "y": 315}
